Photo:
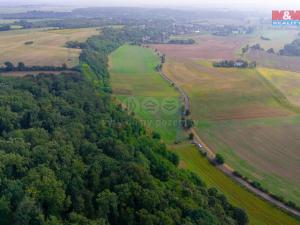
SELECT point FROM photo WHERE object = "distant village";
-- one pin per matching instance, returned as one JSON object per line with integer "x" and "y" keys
{"x": 190, "y": 28}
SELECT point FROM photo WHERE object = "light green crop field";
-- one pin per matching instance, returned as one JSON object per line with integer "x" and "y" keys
{"x": 137, "y": 85}
{"x": 259, "y": 211}
{"x": 246, "y": 119}
{"x": 47, "y": 46}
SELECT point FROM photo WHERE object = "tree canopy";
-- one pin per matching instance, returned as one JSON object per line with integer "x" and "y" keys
{"x": 70, "y": 156}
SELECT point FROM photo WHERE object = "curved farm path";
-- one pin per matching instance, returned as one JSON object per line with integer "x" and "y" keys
{"x": 225, "y": 168}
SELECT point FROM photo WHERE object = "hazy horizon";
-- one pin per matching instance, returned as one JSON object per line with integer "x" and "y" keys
{"x": 233, "y": 4}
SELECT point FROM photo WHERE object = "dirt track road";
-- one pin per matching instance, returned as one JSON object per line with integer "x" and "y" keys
{"x": 229, "y": 172}
{"x": 226, "y": 168}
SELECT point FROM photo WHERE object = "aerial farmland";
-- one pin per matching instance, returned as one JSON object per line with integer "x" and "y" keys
{"x": 248, "y": 115}
{"x": 139, "y": 113}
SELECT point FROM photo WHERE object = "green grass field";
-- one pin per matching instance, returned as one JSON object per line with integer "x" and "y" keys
{"x": 138, "y": 86}
{"x": 259, "y": 211}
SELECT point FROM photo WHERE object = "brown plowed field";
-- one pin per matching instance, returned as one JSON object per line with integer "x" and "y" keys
{"x": 207, "y": 47}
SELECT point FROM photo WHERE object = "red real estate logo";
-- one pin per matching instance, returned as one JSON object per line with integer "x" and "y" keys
{"x": 285, "y": 15}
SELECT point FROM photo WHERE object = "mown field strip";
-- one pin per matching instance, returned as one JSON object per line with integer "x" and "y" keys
{"x": 260, "y": 212}
{"x": 138, "y": 85}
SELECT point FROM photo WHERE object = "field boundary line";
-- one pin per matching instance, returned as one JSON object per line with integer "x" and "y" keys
{"x": 225, "y": 168}
{"x": 277, "y": 93}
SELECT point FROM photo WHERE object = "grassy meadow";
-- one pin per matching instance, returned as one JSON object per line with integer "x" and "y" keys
{"x": 259, "y": 211}
{"x": 47, "y": 48}
{"x": 137, "y": 85}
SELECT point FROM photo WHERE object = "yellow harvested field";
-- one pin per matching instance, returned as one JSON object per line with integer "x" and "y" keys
{"x": 47, "y": 46}
{"x": 285, "y": 81}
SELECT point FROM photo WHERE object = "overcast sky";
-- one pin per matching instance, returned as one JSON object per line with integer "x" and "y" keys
{"x": 270, "y": 4}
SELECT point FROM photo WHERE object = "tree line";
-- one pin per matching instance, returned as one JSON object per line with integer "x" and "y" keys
{"x": 182, "y": 41}
{"x": 4, "y": 27}
{"x": 70, "y": 156}
{"x": 75, "y": 44}
{"x": 10, "y": 67}
{"x": 234, "y": 63}
{"x": 292, "y": 49}
{"x": 97, "y": 50}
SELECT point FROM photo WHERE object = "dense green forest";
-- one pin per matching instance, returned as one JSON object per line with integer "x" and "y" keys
{"x": 69, "y": 155}
{"x": 9, "y": 67}
{"x": 182, "y": 41}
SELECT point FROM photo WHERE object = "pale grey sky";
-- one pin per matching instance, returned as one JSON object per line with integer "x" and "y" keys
{"x": 270, "y": 4}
